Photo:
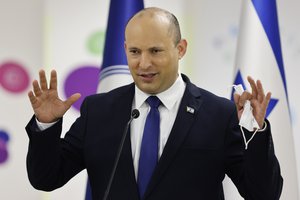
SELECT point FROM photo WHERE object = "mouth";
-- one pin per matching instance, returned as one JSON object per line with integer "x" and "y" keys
{"x": 148, "y": 77}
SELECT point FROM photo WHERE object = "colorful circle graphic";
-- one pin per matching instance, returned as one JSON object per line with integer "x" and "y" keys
{"x": 95, "y": 43}
{"x": 83, "y": 80}
{"x": 13, "y": 77}
{"x": 4, "y": 138}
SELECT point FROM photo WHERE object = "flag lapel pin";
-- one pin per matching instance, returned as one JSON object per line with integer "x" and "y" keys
{"x": 190, "y": 110}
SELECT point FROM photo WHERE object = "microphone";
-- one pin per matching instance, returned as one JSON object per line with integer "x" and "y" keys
{"x": 134, "y": 114}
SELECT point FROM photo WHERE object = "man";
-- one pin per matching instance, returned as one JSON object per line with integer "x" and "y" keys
{"x": 199, "y": 141}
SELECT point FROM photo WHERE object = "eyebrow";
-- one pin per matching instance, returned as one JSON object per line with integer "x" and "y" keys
{"x": 150, "y": 48}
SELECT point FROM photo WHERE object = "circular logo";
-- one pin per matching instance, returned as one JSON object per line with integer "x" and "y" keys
{"x": 95, "y": 43}
{"x": 13, "y": 77}
{"x": 83, "y": 80}
{"x": 4, "y": 138}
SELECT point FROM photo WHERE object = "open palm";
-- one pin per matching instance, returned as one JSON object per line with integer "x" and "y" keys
{"x": 46, "y": 104}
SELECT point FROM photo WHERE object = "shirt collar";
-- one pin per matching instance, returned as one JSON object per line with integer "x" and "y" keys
{"x": 168, "y": 97}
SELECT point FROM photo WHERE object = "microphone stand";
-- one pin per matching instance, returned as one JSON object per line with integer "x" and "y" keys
{"x": 134, "y": 114}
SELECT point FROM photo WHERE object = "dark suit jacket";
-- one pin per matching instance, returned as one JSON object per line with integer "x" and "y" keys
{"x": 201, "y": 149}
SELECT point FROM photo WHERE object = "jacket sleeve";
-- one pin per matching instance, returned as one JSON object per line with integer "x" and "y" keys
{"x": 255, "y": 171}
{"x": 51, "y": 160}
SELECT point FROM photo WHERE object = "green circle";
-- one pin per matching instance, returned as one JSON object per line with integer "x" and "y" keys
{"x": 95, "y": 43}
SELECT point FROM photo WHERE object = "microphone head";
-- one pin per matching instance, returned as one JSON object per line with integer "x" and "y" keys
{"x": 135, "y": 113}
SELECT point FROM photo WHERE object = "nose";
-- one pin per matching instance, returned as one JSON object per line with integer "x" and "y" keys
{"x": 145, "y": 61}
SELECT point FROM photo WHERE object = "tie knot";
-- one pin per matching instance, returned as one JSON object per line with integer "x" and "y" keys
{"x": 153, "y": 101}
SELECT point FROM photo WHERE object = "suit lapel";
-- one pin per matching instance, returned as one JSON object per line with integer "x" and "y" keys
{"x": 185, "y": 118}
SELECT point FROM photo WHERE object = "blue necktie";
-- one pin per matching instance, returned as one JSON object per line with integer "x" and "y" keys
{"x": 149, "y": 148}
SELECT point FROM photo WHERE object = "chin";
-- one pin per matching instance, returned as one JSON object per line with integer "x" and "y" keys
{"x": 149, "y": 90}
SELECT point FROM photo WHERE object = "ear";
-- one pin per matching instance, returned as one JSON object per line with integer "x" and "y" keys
{"x": 182, "y": 47}
{"x": 125, "y": 45}
{"x": 125, "y": 48}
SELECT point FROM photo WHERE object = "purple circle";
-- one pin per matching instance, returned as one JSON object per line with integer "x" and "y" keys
{"x": 3, "y": 152}
{"x": 13, "y": 77}
{"x": 4, "y": 138}
{"x": 83, "y": 80}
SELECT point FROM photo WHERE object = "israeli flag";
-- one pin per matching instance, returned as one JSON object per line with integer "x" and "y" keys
{"x": 114, "y": 71}
{"x": 259, "y": 55}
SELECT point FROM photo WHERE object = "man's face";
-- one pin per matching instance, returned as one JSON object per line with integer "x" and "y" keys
{"x": 151, "y": 53}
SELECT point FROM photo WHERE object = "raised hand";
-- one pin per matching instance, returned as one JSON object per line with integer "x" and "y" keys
{"x": 259, "y": 101}
{"x": 46, "y": 104}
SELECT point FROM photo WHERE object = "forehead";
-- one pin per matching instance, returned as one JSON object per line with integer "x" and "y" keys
{"x": 148, "y": 27}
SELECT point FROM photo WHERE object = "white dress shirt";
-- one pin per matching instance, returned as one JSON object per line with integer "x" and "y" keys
{"x": 170, "y": 99}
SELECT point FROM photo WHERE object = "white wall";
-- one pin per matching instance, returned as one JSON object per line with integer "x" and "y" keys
{"x": 20, "y": 42}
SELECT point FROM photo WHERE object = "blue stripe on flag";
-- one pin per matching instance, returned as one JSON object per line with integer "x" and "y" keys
{"x": 119, "y": 69}
{"x": 119, "y": 13}
{"x": 113, "y": 73}
{"x": 267, "y": 13}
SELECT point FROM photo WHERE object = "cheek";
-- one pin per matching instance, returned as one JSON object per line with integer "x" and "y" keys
{"x": 134, "y": 60}
{"x": 132, "y": 64}
{"x": 170, "y": 67}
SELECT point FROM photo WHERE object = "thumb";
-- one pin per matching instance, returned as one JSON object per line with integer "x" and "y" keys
{"x": 72, "y": 99}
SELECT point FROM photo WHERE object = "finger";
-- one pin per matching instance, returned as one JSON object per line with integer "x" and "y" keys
{"x": 32, "y": 98}
{"x": 43, "y": 80}
{"x": 260, "y": 91}
{"x": 244, "y": 97}
{"x": 53, "y": 80}
{"x": 266, "y": 100}
{"x": 236, "y": 98}
{"x": 72, "y": 99}
{"x": 36, "y": 88}
{"x": 253, "y": 86}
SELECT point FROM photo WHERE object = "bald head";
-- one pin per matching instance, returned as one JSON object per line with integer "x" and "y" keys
{"x": 163, "y": 16}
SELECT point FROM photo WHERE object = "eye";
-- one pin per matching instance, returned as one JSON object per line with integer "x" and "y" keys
{"x": 134, "y": 51}
{"x": 155, "y": 50}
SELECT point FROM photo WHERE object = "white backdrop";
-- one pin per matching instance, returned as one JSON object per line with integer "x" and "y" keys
{"x": 57, "y": 34}
{"x": 21, "y": 43}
